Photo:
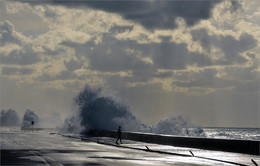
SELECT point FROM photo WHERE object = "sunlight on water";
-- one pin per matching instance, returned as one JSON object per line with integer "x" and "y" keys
{"x": 233, "y": 133}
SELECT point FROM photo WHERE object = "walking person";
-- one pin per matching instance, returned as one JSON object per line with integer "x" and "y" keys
{"x": 32, "y": 123}
{"x": 119, "y": 135}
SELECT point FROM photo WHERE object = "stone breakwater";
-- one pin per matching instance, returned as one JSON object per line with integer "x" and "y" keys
{"x": 238, "y": 146}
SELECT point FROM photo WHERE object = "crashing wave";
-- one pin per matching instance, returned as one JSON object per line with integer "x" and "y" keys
{"x": 98, "y": 111}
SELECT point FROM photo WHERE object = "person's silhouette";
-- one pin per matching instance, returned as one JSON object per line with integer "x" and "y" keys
{"x": 119, "y": 135}
{"x": 32, "y": 123}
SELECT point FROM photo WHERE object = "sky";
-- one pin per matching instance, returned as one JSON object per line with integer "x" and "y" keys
{"x": 197, "y": 59}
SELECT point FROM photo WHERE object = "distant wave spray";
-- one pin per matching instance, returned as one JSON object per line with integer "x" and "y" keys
{"x": 9, "y": 118}
{"x": 30, "y": 116}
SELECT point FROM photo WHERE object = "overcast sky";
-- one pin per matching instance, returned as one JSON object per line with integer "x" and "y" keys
{"x": 197, "y": 59}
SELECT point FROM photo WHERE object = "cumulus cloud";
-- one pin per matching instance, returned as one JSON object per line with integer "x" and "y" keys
{"x": 20, "y": 56}
{"x": 8, "y": 34}
{"x": 231, "y": 47}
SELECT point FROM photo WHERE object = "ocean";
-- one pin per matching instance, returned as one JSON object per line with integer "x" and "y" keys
{"x": 232, "y": 133}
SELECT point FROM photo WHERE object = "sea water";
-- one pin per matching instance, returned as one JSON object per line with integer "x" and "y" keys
{"x": 232, "y": 133}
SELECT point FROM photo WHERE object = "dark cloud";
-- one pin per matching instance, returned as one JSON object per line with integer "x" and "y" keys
{"x": 235, "y": 5}
{"x": 231, "y": 47}
{"x": 16, "y": 71}
{"x": 65, "y": 75}
{"x": 199, "y": 59}
{"x": 170, "y": 55}
{"x": 113, "y": 55}
{"x": 201, "y": 35}
{"x": 157, "y": 14}
{"x": 121, "y": 29}
{"x": 152, "y": 14}
{"x": 72, "y": 64}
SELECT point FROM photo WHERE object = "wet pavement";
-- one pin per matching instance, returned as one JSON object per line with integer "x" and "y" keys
{"x": 20, "y": 147}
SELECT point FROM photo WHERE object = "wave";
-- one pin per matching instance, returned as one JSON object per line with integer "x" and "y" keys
{"x": 30, "y": 116}
{"x": 177, "y": 126}
{"x": 9, "y": 118}
{"x": 99, "y": 111}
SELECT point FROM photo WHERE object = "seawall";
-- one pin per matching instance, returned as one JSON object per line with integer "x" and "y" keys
{"x": 238, "y": 146}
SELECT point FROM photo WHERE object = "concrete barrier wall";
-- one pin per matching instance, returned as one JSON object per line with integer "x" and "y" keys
{"x": 238, "y": 146}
